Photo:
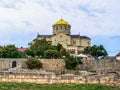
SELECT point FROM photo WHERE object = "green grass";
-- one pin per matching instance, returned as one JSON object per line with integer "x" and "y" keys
{"x": 32, "y": 86}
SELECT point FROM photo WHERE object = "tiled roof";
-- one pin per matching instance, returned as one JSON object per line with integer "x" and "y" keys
{"x": 44, "y": 36}
{"x": 84, "y": 37}
{"x": 118, "y": 54}
{"x": 21, "y": 49}
{"x": 73, "y": 36}
{"x": 78, "y": 36}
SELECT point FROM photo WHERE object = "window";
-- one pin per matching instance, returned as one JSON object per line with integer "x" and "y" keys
{"x": 13, "y": 64}
{"x": 60, "y": 36}
{"x": 56, "y": 28}
{"x": 74, "y": 42}
{"x": 88, "y": 43}
{"x": 65, "y": 27}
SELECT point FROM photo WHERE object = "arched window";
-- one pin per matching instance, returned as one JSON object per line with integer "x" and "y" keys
{"x": 74, "y": 42}
{"x": 13, "y": 64}
{"x": 88, "y": 43}
{"x": 56, "y": 28}
{"x": 65, "y": 28}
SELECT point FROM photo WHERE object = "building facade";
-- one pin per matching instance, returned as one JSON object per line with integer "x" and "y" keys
{"x": 74, "y": 44}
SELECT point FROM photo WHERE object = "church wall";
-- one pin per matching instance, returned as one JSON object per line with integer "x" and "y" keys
{"x": 62, "y": 39}
{"x": 76, "y": 41}
{"x": 85, "y": 42}
{"x": 48, "y": 39}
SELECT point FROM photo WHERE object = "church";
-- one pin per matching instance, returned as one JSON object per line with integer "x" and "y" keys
{"x": 74, "y": 44}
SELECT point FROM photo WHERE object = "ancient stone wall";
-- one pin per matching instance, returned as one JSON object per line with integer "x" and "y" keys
{"x": 93, "y": 65}
{"x": 59, "y": 79}
{"x": 6, "y": 63}
{"x": 57, "y": 65}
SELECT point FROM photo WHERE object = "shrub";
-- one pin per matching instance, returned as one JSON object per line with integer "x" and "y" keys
{"x": 71, "y": 62}
{"x": 33, "y": 63}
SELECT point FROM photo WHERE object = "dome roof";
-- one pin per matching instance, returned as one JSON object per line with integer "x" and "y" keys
{"x": 61, "y": 21}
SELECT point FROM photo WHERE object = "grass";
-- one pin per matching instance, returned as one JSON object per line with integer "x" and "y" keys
{"x": 32, "y": 86}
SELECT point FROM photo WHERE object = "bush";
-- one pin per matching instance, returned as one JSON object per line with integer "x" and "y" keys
{"x": 71, "y": 62}
{"x": 33, "y": 63}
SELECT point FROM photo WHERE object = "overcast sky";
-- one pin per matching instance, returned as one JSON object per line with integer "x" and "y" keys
{"x": 21, "y": 20}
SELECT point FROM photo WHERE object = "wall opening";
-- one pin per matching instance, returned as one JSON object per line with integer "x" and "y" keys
{"x": 13, "y": 64}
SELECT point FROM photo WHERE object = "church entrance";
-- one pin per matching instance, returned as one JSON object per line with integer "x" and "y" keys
{"x": 13, "y": 64}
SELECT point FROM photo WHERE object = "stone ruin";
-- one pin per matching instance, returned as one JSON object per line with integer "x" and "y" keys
{"x": 95, "y": 71}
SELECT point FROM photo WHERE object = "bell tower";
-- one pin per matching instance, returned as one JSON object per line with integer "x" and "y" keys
{"x": 61, "y": 26}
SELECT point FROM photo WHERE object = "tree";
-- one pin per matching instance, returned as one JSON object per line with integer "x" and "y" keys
{"x": 38, "y": 47}
{"x": 63, "y": 52}
{"x": 87, "y": 50}
{"x": 51, "y": 54}
{"x": 71, "y": 62}
{"x": 30, "y": 52}
{"x": 96, "y": 51}
{"x": 33, "y": 63}
{"x": 43, "y": 48}
{"x": 1, "y": 52}
{"x": 10, "y": 51}
{"x": 22, "y": 55}
{"x": 59, "y": 47}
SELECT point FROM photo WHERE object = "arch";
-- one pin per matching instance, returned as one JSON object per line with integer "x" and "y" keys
{"x": 14, "y": 64}
{"x": 115, "y": 74}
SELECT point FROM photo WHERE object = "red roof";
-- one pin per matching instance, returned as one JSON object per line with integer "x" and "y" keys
{"x": 21, "y": 49}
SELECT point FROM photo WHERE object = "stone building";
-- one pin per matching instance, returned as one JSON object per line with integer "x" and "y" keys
{"x": 74, "y": 44}
{"x": 118, "y": 56}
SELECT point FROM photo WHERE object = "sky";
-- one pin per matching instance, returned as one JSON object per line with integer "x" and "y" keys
{"x": 21, "y": 20}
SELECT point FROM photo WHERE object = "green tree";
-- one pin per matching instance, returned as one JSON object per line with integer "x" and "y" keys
{"x": 87, "y": 50}
{"x": 59, "y": 47}
{"x": 10, "y": 51}
{"x": 71, "y": 62}
{"x": 51, "y": 54}
{"x": 30, "y": 52}
{"x": 38, "y": 47}
{"x": 96, "y": 51}
{"x": 22, "y": 55}
{"x": 63, "y": 52}
{"x": 33, "y": 63}
{"x": 1, "y": 52}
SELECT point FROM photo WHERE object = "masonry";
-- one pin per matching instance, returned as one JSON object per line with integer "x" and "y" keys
{"x": 99, "y": 66}
{"x": 60, "y": 79}
{"x": 57, "y": 65}
{"x": 103, "y": 72}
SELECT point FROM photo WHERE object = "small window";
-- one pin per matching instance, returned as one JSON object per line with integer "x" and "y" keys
{"x": 13, "y": 64}
{"x": 74, "y": 42}
{"x": 56, "y": 28}
{"x": 65, "y": 28}
{"x": 88, "y": 43}
{"x": 60, "y": 36}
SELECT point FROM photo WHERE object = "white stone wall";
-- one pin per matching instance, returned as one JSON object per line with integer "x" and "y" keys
{"x": 60, "y": 79}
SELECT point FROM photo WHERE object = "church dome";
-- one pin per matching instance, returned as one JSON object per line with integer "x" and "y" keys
{"x": 61, "y": 21}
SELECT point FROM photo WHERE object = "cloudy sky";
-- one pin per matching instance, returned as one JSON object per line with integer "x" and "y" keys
{"x": 21, "y": 20}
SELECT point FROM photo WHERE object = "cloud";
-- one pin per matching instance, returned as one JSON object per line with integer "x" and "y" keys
{"x": 91, "y": 18}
